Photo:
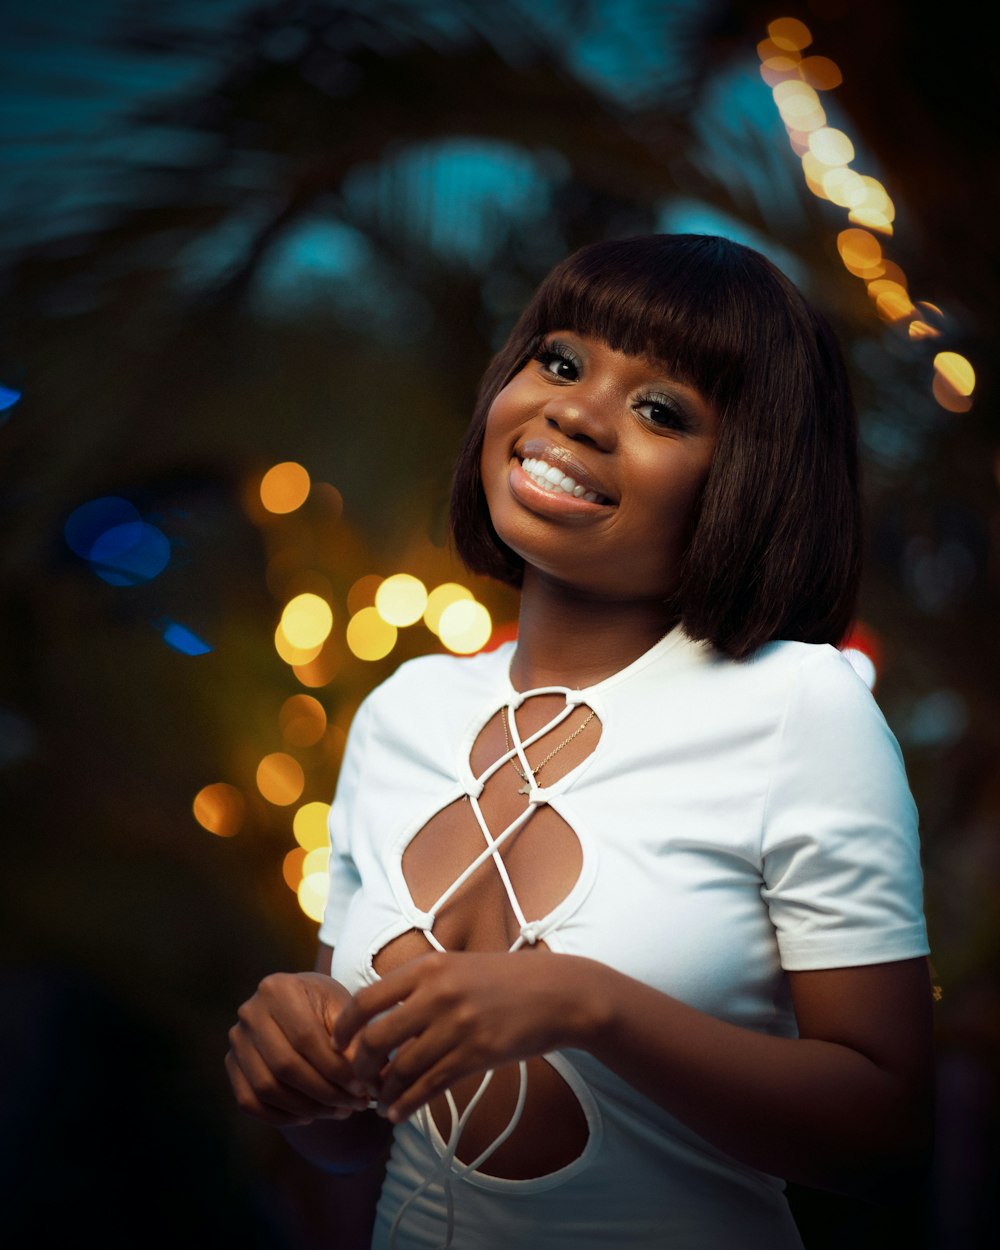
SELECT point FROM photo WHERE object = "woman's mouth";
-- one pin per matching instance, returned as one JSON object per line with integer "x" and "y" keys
{"x": 551, "y": 478}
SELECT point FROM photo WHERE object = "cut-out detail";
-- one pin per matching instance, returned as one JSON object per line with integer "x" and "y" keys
{"x": 398, "y": 951}
{"x": 488, "y": 871}
{"x": 526, "y": 1155}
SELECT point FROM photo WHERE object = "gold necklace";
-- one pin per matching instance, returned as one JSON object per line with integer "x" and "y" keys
{"x": 525, "y": 789}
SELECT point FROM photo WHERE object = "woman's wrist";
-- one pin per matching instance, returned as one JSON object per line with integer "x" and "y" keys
{"x": 588, "y": 1012}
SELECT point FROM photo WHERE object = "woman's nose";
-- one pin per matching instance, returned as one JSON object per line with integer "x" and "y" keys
{"x": 583, "y": 416}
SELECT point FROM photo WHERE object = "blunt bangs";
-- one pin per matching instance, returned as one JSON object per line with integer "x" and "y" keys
{"x": 697, "y": 305}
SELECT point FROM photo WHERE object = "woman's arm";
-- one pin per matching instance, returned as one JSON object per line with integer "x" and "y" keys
{"x": 284, "y": 1070}
{"x": 846, "y": 1100}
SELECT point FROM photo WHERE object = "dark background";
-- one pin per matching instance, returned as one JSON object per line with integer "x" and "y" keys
{"x": 233, "y": 234}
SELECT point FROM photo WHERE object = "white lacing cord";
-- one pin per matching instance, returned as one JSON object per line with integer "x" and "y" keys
{"x": 444, "y": 1168}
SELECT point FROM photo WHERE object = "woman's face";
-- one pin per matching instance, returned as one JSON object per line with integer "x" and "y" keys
{"x": 593, "y": 463}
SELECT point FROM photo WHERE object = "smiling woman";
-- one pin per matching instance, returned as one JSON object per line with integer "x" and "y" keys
{"x": 592, "y": 463}
{"x": 624, "y": 925}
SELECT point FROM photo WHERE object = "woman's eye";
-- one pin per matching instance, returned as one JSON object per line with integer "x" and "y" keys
{"x": 559, "y": 362}
{"x": 662, "y": 414}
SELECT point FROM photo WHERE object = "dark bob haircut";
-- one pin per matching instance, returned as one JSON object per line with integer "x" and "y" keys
{"x": 775, "y": 548}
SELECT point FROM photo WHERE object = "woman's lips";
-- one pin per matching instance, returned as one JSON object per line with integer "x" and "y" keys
{"x": 552, "y": 479}
{"x": 556, "y": 471}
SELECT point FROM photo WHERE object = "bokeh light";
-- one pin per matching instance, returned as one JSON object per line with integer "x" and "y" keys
{"x": 284, "y": 487}
{"x": 322, "y": 668}
{"x": 826, "y": 155}
{"x": 121, "y": 548}
{"x": 312, "y": 892}
{"x": 778, "y": 67}
{"x": 307, "y": 620}
{"x": 8, "y": 398}
{"x": 302, "y": 720}
{"x": 329, "y": 499}
{"x": 946, "y": 395}
{"x": 465, "y": 626}
{"x": 280, "y": 778}
{"x": 369, "y": 636}
{"x": 789, "y": 33}
{"x": 401, "y": 599}
{"x": 768, "y": 49}
{"x": 799, "y": 105}
{"x": 291, "y": 867}
{"x": 220, "y": 808}
{"x": 844, "y": 187}
{"x": 892, "y": 301}
{"x": 310, "y": 826}
{"x": 85, "y": 525}
{"x": 956, "y": 371}
{"x": 184, "y": 640}
{"x": 439, "y": 598}
{"x": 820, "y": 72}
{"x": 317, "y": 860}
{"x": 831, "y": 147}
{"x": 293, "y": 655}
{"x": 130, "y": 554}
{"x": 861, "y": 252}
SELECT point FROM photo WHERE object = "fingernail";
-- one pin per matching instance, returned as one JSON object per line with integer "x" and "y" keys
{"x": 357, "y": 1089}
{"x": 382, "y": 1109}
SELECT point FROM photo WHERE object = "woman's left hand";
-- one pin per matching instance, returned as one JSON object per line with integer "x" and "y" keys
{"x": 445, "y": 1016}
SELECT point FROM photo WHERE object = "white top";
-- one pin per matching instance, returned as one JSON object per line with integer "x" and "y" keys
{"x": 736, "y": 820}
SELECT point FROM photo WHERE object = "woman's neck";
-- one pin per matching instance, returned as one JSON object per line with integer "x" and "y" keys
{"x": 569, "y": 639}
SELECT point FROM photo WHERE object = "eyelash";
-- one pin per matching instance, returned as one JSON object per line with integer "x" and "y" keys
{"x": 550, "y": 353}
{"x": 678, "y": 418}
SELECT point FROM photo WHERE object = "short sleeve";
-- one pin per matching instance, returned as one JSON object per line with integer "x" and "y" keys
{"x": 344, "y": 878}
{"x": 840, "y": 850}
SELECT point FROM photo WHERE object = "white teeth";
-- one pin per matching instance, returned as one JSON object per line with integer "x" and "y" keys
{"x": 548, "y": 477}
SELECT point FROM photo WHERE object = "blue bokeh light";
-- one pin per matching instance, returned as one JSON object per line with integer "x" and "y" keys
{"x": 131, "y": 553}
{"x": 86, "y": 524}
{"x": 182, "y": 639}
{"x": 121, "y": 548}
{"x": 8, "y": 398}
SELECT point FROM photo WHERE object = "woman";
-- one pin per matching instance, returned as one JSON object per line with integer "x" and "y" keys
{"x": 625, "y": 919}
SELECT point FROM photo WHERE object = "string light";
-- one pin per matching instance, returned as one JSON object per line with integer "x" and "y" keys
{"x": 827, "y": 155}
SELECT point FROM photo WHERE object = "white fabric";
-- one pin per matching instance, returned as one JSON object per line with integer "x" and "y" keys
{"x": 737, "y": 821}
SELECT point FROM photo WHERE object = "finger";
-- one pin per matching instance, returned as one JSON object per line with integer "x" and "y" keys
{"x": 444, "y": 1047}
{"x": 404, "y": 1096}
{"x": 282, "y": 1079}
{"x": 371, "y": 1001}
{"x": 293, "y": 1044}
{"x": 249, "y": 1102}
{"x": 284, "y": 1020}
{"x": 270, "y": 1091}
{"x": 376, "y": 1043}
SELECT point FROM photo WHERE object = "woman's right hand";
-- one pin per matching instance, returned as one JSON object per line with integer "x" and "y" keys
{"x": 281, "y": 1062}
